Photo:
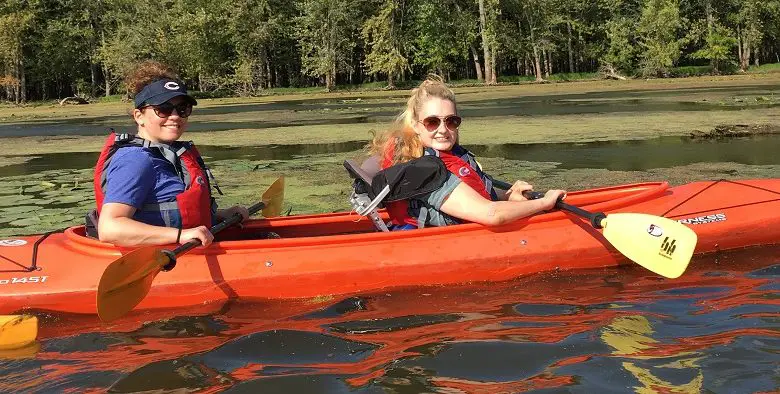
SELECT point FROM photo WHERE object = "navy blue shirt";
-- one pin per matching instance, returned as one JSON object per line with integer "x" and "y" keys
{"x": 137, "y": 176}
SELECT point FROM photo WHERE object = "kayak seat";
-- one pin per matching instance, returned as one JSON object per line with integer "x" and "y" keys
{"x": 373, "y": 186}
{"x": 360, "y": 200}
{"x": 365, "y": 171}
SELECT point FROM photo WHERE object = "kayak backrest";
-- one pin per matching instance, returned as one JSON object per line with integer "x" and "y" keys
{"x": 365, "y": 171}
{"x": 360, "y": 200}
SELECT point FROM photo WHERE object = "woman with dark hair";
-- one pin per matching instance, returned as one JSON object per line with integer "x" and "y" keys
{"x": 151, "y": 188}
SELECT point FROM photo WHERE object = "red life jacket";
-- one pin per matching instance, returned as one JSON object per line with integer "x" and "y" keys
{"x": 194, "y": 204}
{"x": 458, "y": 161}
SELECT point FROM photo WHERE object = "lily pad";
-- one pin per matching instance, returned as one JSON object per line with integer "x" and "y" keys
{"x": 26, "y": 222}
{"x": 70, "y": 199}
{"x": 13, "y": 199}
{"x": 19, "y": 209}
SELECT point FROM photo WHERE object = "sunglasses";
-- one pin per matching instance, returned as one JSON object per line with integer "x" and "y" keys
{"x": 165, "y": 110}
{"x": 432, "y": 123}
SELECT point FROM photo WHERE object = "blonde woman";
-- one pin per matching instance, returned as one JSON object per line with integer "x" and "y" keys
{"x": 430, "y": 126}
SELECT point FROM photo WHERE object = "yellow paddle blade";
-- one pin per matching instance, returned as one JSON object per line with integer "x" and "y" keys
{"x": 17, "y": 331}
{"x": 273, "y": 198}
{"x": 661, "y": 245}
{"x": 126, "y": 281}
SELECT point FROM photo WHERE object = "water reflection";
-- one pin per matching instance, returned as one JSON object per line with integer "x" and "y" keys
{"x": 631, "y": 155}
{"x": 591, "y": 331}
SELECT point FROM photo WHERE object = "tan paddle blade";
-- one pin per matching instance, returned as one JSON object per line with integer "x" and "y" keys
{"x": 659, "y": 244}
{"x": 126, "y": 281}
{"x": 273, "y": 198}
{"x": 17, "y": 331}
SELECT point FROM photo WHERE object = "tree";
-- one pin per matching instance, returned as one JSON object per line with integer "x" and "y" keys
{"x": 384, "y": 37}
{"x": 718, "y": 46}
{"x": 621, "y": 54}
{"x": 657, "y": 31}
{"x": 13, "y": 30}
{"x": 326, "y": 31}
{"x": 488, "y": 10}
{"x": 749, "y": 29}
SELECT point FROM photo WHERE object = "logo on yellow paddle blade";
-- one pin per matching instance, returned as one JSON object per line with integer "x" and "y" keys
{"x": 661, "y": 245}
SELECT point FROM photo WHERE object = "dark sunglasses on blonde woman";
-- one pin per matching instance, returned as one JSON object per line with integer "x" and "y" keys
{"x": 432, "y": 123}
{"x": 165, "y": 110}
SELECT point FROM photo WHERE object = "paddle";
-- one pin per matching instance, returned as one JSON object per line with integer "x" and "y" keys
{"x": 127, "y": 280}
{"x": 17, "y": 331}
{"x": 659, "y": 244}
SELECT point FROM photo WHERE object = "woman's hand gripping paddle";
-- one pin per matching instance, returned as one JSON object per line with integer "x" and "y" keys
{"x": 127, "y": 280}
{"x": 659, "y": 244}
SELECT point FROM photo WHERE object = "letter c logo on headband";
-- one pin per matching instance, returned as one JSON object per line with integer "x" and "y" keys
{"x": 172, "y": 85}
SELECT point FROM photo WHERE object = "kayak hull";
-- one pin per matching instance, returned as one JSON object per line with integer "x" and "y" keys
{"x": 337, "y": 254}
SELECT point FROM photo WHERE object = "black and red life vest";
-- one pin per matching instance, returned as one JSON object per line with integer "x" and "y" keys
{"x": 459, "y": 162}
{"x": 194, "y": 204}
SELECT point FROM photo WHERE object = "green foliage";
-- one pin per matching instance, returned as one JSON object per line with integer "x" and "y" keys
{"x": 441, "y": 40}
{"x": 622, "y": 50}
{"x": 657, "y": 31}
{"x": 385, "y": 36}
{"x": 327, "y": 31}
{"x": 718, "y": 47}
{"x": 765, "y": 68}
{"x": 57, "y": 48}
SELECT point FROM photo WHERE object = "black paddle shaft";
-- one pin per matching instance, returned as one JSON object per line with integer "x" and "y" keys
{"x": 594, "y": 217}
{"x": 193, "y": 243}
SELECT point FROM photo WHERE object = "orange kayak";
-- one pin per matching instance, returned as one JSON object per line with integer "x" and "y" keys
{"x": 341, "y": 253}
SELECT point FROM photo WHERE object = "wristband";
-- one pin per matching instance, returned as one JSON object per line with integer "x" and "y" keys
{"x": 178, "y": 236}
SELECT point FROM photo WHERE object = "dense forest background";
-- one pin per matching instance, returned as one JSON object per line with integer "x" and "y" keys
{"x": 57, "y": 48}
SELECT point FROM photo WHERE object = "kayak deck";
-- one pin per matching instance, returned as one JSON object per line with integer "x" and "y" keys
{"x": 341, "y": 253}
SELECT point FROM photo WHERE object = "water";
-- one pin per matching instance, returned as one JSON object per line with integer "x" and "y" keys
{"x": 715, "y": 329}
{"x": 631, "y": 155}
{"x": 355, "y": 109}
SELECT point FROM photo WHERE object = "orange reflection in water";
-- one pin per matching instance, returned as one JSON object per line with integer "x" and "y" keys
{"x": 401, "y": 325}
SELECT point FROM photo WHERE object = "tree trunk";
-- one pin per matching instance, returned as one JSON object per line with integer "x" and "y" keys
{"x": 493, "y": 73}
{"x": 710, "y": 16}
{"x": 535, "y": 46}
{"x": 485, "y": 42}
{"x": 743, "y": 49}
{"x": 93, "y": 68}
{"x": 107, "y": 80}
{"x": 477, "y": 65}
{"x": 22, "y": 81}
{"x": 537, "y": 64}
{"x": 269, "y": 71}
{"x": 569, "y": 47}
{"x": 549, "y": 63}
{"x": 526, "y": 65}
{"x": 756, "y": 55}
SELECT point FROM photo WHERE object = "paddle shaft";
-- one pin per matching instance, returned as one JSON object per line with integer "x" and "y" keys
{"x": 594, "y": 217}
{"x": 193, "y": 243}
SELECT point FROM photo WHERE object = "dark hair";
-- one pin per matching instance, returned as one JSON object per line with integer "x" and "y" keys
{"x": 147, "y": 72}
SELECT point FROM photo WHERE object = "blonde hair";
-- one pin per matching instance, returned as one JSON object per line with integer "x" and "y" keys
{"x": 401, "y": 139}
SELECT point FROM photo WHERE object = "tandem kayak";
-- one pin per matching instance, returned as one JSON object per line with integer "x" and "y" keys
{"x": 341, "y": 253}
